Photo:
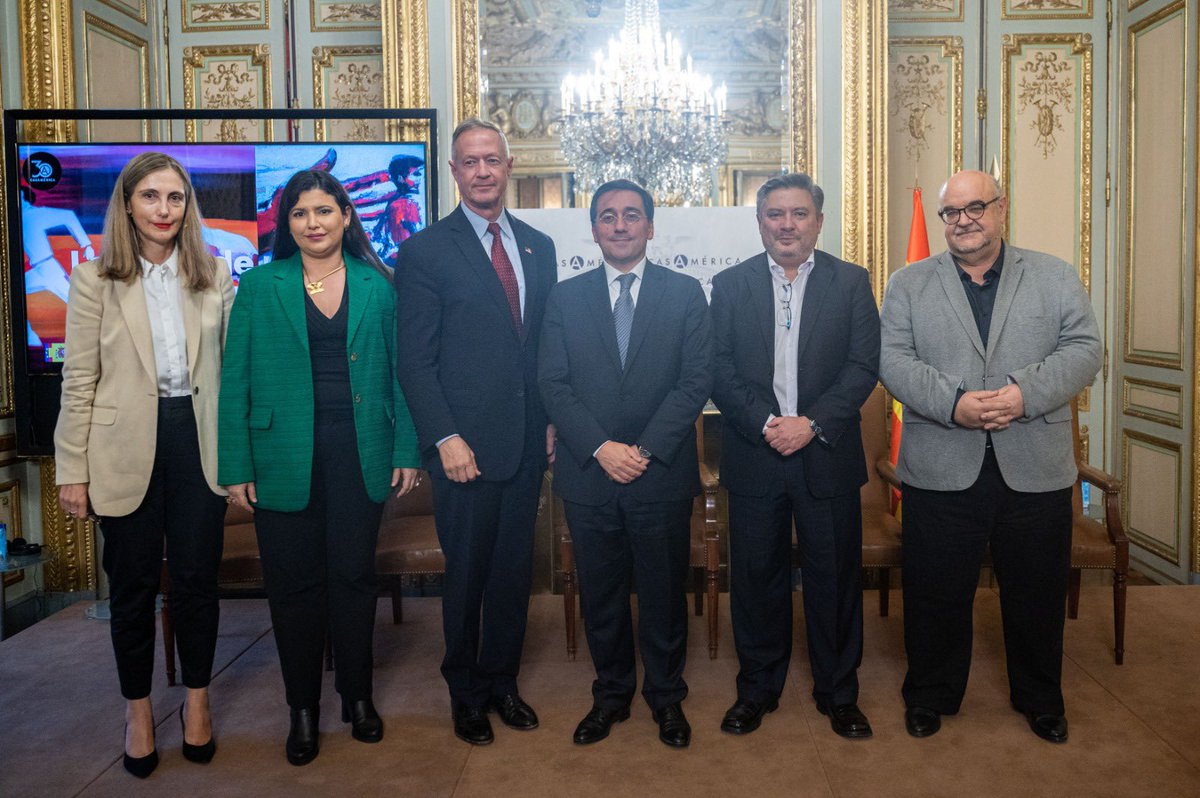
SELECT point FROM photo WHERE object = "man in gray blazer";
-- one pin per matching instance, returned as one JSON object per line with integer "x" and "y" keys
{"x": 985, "y": 345}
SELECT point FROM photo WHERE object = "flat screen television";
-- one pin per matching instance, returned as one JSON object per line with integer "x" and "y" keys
{"x": 58, "y": 194}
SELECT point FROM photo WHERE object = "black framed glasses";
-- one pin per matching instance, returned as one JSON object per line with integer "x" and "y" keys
{"x": 785, "y": 299}
{"x": 973, "y": 211}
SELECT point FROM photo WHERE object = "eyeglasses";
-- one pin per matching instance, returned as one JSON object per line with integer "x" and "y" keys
{"x": 785, "y": 299}
{"x": 973, "y": 211}
{"x": 609, "y": 218}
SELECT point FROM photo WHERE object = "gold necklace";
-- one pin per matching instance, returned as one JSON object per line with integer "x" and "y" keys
{"x": 318, "y": 285}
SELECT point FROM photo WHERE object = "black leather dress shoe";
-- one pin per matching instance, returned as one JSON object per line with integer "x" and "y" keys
{"x": 201, "y": 754}
{"x": 922, "y": 722}
{"x": 514, "y": 712}
{"x": 596, "y": 725}
{"x": 673, "y": 726}
{"x": 302, "y": 744}
{"x": 365, "y": 724}
{"x": 471, "y": 725}
{"x": 745, "y": 715}
{"x": 847, "y": 720}
{"x": 1052, "y": 728}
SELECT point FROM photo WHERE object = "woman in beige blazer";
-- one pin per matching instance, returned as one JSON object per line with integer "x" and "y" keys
{"x": 136, "y": 437}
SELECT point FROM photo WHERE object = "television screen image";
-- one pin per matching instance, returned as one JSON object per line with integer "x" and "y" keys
{"x": 65, "y": 190}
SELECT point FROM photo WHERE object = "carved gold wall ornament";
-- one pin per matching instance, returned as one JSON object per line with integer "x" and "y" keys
{"x": 227, "y": 77}
{"x": 6, "y": 389}
{"x": 1049, "y": 92}
{"x": 406, "y": 65}
{"x": 135, "y": 9}
{"x": 1047, "y": 9}
{"x": 802, "y": 78}
{"x": 73, "y": 541}
{"x": 917, "y": 88}
{"x": 333, "y": 15}
{"x": 1024, "y": 49}
{"x": 220, "y": 15}
{"x": 47, "y": 65}
{"x": 348, "y": 77}
{"x": 925, "y": 10}
{"x": 10, "y": 515}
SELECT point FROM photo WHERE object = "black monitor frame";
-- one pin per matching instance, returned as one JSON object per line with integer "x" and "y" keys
{"x": 36, "y": 395}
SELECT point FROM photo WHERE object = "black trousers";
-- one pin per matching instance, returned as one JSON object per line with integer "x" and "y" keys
{"x": 319, "y": 570}
{"x": 486, "y": 533}
{"x": 829, "y": 536}
{"x": 945, "y": 536}
{"x": 180, "y": 509}
{"x": 615, "y": 544}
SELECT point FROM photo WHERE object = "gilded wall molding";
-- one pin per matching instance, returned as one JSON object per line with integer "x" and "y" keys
{"x": 951, "y": 48}
{"x": 405, "y": 54}
{"x": 864, "y": 138}
{"x": 47, "y": 64}
{"x": 803, "y": 80}
{"x": 1168, "y": 360}
{"x": 358, "y": 85}
{"x": 1195, "y": 464}
{"x": 925, "y": 10}
{"x": 229, "y": 87}
{"x": 134, "y": 9}
{"x": 1131, "y": 407}
{"x": 221, "y": 15}
{"x": 1038, "y": 9}
{"x": 339, "y": 15}
{"x": 1081, "y": 45}
{"x": 465, "y": 57}
{"x": 92, "y": 22}
{"x": 1151, "y": 443}
{"x": 73, "y": 541}
{"x": 6, "y": 386}
{"x": 10, "y": 514}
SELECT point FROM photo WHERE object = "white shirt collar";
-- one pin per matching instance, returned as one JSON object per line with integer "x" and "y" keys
{"x": 611, "y": 274}
{"x": 171, "y": 264}
{"x": 480, "y": 225}
{"x": 778, "y": 272}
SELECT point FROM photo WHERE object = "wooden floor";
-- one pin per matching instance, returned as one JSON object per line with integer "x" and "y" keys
{"x": 1135, "y": 729}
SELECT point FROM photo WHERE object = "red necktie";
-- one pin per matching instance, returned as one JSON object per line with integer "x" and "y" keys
{"x": 508, "y": 277}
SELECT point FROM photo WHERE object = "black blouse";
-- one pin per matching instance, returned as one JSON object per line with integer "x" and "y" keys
{"x": 330, "y": 366}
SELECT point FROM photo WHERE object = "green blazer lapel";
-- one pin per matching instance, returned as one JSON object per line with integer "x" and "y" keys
{"x": 289, "y": 289}
{"x": 360, "y": 286}
{"x": 132, "y": 298}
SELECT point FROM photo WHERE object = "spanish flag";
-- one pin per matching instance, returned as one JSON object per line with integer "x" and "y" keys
{"x": 918, "y": 249}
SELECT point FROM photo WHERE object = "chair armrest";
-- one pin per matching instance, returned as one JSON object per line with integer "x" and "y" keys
{"x": 887, "y": 472}
{"x": 1101, "y": 479}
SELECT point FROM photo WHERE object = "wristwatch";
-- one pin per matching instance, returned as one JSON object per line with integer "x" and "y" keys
{"x": 644, "y": 452}
{"x": 815, "y": 427}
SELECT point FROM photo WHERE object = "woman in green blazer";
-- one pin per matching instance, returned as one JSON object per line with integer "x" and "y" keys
{"x": 313, "y": 433}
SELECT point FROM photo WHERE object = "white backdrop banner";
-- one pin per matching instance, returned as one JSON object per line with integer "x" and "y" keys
{"x": 695, "y": 241}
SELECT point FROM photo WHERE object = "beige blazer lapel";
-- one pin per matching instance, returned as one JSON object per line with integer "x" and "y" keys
{"x": 132, "y": 298}
{"x": 193, "y": 311}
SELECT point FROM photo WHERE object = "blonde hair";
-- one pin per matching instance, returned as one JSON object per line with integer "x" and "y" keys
{"x": 119, "y": 254}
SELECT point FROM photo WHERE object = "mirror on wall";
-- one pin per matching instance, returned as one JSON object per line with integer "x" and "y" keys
{"x": 528, "y": 48}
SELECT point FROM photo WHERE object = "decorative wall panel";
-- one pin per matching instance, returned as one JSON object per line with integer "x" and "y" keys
{"x": 348, "y": 77}
{"x": 925, "y": 10}
{"x": 1157, "y": 169}
{"x": 925, "y": 130}
{"x": 1153, "y": 401}
{"x": 10, "y": 516}
{"x": 227, "y": 78}
{"x": 1153, "y": 479}
{"x": 334, "y": 15}
{"x": 116, "y": 74}
{"x": 216, "y": 15}
{"x": 1047, "y": 9}
{"x": 134, "y": 8}
{"x": 1046, "y": 144}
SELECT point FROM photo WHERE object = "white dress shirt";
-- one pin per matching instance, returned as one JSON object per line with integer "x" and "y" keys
{"x": 787, "y": 337}
{"x": 507, "y": 239}
{"x": 614, "y": 288}
{"x": 161, "y": 285}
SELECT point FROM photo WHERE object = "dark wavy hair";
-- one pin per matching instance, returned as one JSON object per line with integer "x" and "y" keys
{"x": 355, "y": 240}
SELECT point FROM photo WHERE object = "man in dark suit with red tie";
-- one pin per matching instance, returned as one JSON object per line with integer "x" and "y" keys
{"x": 796, "y": 352}
{"x": 624, "y": 372}
{"x": 471, "y": 292}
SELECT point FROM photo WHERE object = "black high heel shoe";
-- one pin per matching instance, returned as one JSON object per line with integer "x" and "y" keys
{"x": 140, "y": 766}
{"x": 202, "y": 754}
{"x": 366, "y": 725}
{"x": 302, "y": 741}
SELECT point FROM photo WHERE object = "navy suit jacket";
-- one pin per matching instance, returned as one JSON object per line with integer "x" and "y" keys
{"x": 462, "y": 365}
{"x": 653, "y": 402}
{"x": 838, "y": 367}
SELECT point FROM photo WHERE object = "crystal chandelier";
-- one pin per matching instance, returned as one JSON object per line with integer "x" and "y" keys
{"x": 644, "y": 114}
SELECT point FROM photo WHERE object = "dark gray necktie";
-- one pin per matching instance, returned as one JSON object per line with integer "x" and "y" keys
{"x": 623, "y": 314}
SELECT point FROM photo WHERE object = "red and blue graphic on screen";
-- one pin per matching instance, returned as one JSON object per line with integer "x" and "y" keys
{"x": 65, "y": 190}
